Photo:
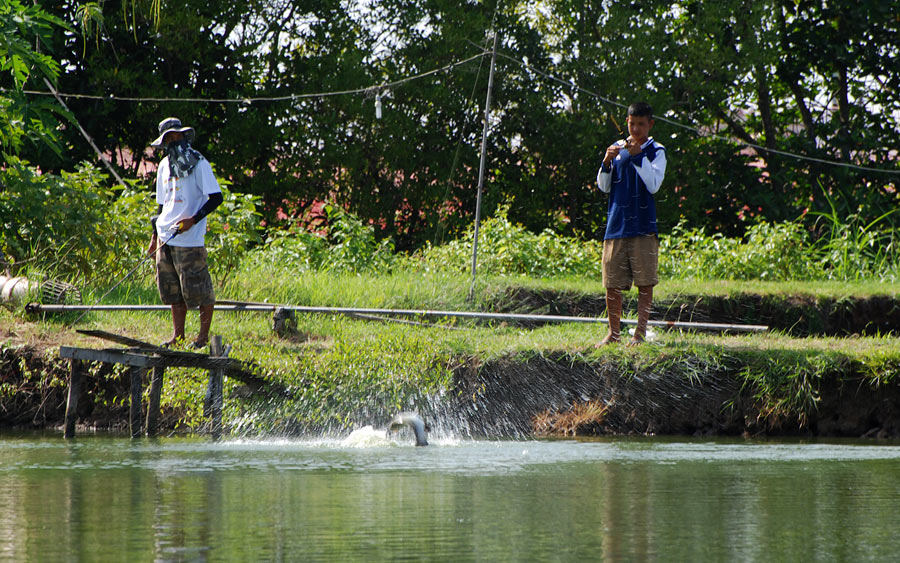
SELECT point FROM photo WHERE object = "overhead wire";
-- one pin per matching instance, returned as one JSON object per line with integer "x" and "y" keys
{"x": 691, "y": 128}
{"x": 535, "y": 70}
{"x": 254, "y": 99}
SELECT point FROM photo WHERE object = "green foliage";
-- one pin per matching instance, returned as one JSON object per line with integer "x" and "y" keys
{"x": 506, "y": 248}
{"x": 747, "y": 72}
{"x": 64, "y": 223}
{"x": 785, "y": 384}
{"x": 22, "y": 118}
{"x": 344, "y": 244}
{"x": 853, "y": 248}
{"x": 20, "y": 25}
{"x": 74, "y": 226}
{"x": 232, "y": 230}
{"x": 353, "y": 246}
{"x": 770, "y": 252}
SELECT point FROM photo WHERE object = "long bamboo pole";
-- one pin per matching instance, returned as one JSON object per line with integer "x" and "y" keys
{"x": 235, "y": 306}
{"x": 484, "y": 135}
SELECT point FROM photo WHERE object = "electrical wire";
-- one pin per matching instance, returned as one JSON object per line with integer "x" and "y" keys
{"x": 690, "y": 128}
{"x": 250, "y": 100}
{"x": 546, "y": 75}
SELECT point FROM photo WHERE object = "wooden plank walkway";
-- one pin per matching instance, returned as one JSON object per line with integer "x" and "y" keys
{"x": 141, "y": 356}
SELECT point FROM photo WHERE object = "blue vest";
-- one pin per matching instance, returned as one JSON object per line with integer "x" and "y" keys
{"x": 631, "y": 211}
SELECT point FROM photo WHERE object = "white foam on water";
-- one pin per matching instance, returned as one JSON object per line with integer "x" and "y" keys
{"x": 367, "y": 437}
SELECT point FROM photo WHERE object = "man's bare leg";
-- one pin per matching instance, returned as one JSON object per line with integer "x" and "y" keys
{"x": 179, "y": 314}
{"x": 614, "y": 314}
{"x": 645, "y": 303}
{"x": 206, "y": 315}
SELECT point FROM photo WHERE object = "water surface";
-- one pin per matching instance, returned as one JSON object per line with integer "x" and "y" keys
{"x": 102, "y": 498}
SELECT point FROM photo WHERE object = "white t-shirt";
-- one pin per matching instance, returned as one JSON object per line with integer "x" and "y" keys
{"x": 181, "y": 198}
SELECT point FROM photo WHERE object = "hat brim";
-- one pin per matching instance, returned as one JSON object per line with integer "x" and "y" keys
{"x": 188, "y": 132}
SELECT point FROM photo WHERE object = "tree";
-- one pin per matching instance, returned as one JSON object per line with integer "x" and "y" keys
{"x": 24, "y": 120}
{"x": 735, "y": 85}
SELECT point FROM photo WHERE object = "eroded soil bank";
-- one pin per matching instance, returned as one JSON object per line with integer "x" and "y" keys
{"x": 546, "y": 394}
{"x": 522, "y": 396}
{"x": 677, "y": 392}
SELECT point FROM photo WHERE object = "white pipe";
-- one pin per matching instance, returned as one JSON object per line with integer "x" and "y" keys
{"x": 265, "y": 307}
{"x": 14, "y": 289}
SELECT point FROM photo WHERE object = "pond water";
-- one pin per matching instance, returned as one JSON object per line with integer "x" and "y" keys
{"x": 102, "y": 498}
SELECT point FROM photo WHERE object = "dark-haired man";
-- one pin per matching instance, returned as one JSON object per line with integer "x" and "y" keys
{"x": 631, "y": 173}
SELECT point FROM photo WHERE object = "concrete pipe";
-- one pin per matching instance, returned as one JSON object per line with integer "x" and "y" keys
{"x": 13, "y": 290}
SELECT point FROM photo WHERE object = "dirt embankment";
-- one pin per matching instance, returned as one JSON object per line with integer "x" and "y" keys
{"x": 34, "y": 389}
{"x": 795, "y": 315}
{"x": 560, "y": 393}
{"x": 556, "y": 394}
{"x": 524, "y": 396}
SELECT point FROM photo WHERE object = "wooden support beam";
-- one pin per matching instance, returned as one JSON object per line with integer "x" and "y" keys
{"x": 110, "y": 357}
{"x": 134, "y": 418}
{"x": 156, "y": 383}
{"x": 75, "y": 379}
{"x": 141, "y": 359}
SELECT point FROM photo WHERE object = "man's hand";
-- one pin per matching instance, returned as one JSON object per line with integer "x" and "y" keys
{"x": 632, "y": 147}
{"x": 185, "y": 225}
{"x": 152, "y": 248}
{"x": 611, "y": 153}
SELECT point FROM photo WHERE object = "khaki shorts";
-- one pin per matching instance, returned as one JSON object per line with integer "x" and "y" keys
{"x": 182, "y": 276}
{"x": 627, "y": 260}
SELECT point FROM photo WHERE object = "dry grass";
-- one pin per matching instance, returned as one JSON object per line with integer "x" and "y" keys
{"x": 575, "y": 421}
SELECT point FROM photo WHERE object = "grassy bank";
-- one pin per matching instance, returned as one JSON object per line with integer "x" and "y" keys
{"x": 342, "y": 372}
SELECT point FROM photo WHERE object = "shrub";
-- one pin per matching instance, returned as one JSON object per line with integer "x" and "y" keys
{"x": 345, "y": 244}
{"x": 505, "y": 248}
{"x": 77, "y": 228}
{"x": 769, "y": 251}
{"x": 67, "y": 223}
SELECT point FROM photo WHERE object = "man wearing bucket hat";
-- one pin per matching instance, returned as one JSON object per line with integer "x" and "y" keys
{"x": 186, "y": 192}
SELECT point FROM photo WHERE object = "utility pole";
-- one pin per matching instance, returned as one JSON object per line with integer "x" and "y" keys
{"x": 484, "y": 134}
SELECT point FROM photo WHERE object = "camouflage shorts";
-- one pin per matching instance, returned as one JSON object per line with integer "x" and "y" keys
{"x": 182, "y": 276}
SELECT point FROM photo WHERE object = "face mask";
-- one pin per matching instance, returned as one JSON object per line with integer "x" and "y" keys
{"x": 182, "y": 158}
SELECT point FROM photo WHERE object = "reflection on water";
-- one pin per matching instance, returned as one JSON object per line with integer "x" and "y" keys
{"x": 111, "y": 499}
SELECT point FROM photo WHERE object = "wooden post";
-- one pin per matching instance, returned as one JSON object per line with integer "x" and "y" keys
{"x": 216, "y": 383}
{"x": 134, "y": 418}
{"x": 156, "y": 383}
{"x": 75, "y": 379}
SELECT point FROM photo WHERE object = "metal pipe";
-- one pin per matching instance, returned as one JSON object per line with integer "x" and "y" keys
{"x": 233, "y": 306}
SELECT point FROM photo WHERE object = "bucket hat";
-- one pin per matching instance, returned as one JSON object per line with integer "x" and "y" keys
{"x": 172, "y": 125}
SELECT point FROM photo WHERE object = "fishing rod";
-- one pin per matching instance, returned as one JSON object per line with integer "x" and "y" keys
{"x": 175, "y": 230}
{"x": 242, "y": 306}
{"x": 616, "y": 123}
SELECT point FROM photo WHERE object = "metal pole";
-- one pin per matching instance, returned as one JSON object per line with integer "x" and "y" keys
{"x": 265, "y": 307}
{"x": 484, "y": 134}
